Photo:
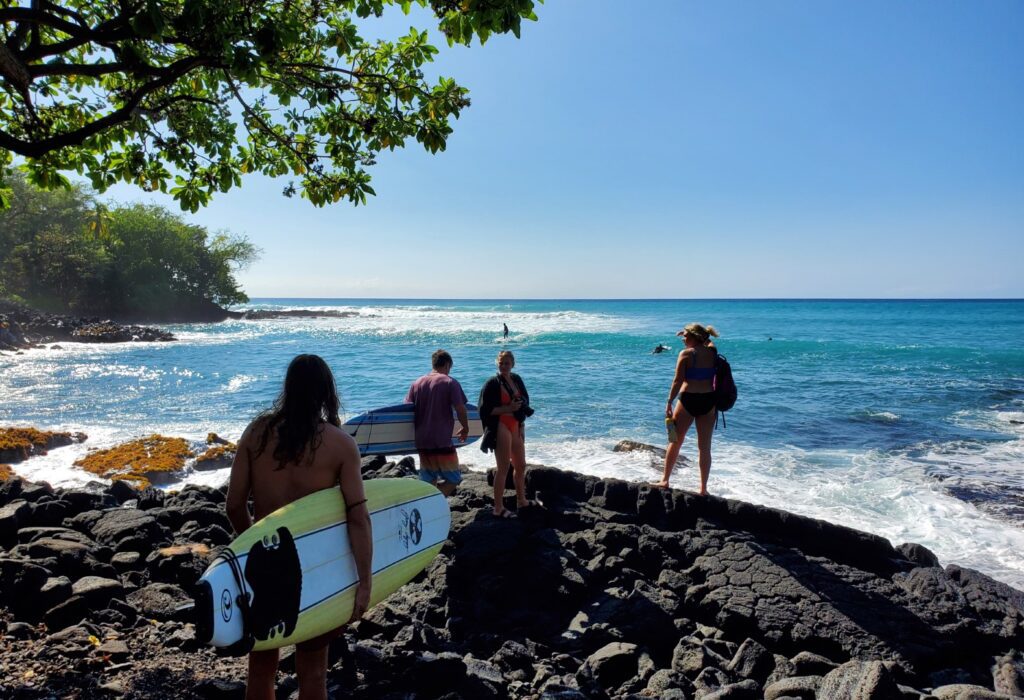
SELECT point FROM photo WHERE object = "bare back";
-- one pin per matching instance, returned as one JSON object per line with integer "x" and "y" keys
{"x": 694, "y": 358}
{"x": 335, "y": 461}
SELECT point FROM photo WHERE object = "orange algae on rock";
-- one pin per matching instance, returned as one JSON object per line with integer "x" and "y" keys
{"x": 217, "y": 456}
{"x": 197, "y": 548}
{"x": 138, "y": 461}
{"x": 17, "y": 444}
{"x": 218, "y": 452}
{"x": 5, "y": 472}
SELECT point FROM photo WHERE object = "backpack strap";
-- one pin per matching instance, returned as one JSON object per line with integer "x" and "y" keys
{"x": 508, "y": 388}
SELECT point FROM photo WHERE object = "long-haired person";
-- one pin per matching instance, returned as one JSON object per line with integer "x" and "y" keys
{"x": 286, "y": 453}
{"x": 504, "y": 407}
{"x": 693, "y": 383}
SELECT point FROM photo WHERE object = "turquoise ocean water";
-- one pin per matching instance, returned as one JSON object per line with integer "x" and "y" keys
{"x": 903, "y": 418}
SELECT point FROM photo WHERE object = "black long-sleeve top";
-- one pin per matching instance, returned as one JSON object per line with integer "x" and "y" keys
{"x": 490, "y": 398}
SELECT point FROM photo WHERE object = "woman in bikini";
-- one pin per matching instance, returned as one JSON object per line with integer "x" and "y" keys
{"x": 504, "y": 406}
{"x": 694, "y": 384}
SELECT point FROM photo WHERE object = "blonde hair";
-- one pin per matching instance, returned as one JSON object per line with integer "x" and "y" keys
{"x": 701, "y": 333}
{"x": 509, "y": 355}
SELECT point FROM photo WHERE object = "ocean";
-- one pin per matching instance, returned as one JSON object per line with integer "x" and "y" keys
{"x": 901, "y": 418}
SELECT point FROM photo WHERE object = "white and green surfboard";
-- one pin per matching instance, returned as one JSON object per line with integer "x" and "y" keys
{"x": 292, "y": 576}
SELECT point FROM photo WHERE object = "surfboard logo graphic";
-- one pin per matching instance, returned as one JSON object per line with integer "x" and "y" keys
{"x": 411, "y": 530}
{"x": 226, "y": 609}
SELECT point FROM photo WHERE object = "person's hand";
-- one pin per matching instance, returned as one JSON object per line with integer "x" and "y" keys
{"x": 362, "y": 602}
{"x": 464, "y": 433}
{"x": 668, "y": 409}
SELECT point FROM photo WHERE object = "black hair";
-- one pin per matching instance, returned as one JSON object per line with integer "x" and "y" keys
{"x": 309, "y": 398}
{"x": 440, "y": 359}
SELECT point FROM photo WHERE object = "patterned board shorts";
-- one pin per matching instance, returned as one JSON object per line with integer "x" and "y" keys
{"x": 440, "y": 465}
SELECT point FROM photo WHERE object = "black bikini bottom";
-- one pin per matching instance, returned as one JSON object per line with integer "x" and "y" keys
{"x": 698, "y": 404}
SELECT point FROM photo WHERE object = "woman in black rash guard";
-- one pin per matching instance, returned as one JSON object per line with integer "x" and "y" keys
{"x": 504, "y": 407}
{"x": 694, "y": 384}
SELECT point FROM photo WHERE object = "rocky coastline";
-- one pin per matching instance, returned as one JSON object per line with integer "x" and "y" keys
{"x": 22, "y": 328}
{"x": 609, "y": 590}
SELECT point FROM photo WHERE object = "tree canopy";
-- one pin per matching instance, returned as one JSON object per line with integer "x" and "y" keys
{"x": 186, "y": 96}
{"x": 64, "y": 251}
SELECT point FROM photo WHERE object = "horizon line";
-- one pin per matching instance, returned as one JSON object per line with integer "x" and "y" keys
{"x": 517, "y": 299}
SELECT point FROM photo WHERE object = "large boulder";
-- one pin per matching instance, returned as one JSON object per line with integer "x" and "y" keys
{"x": 20, "y": 583}
{"x": 123, "y": 523}
{"x": 13, "y": 516}
{"x": 859, "y": 680}
{"x": 161, "y": 601}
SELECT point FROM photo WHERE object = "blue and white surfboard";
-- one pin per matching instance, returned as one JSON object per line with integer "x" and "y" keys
{"x": 391, "y": 430}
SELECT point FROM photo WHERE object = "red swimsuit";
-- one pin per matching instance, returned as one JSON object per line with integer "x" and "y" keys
{"x": 508, "y": 419}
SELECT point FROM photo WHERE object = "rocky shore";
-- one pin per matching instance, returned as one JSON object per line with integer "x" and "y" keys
{"x": 610, "y": 590}
{"x": 22, "y": 328}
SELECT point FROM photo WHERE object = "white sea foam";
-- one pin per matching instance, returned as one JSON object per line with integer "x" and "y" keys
{"x": 882, "y": 416}
{"x": 238, "y": 381}
{"x": 429, "y": 319}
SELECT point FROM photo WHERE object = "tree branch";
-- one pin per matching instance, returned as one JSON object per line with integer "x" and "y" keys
{"x": 269, "y": 130}
{"x": 40, "y": 18}
{"x": 92, "y": 70}
{"x": 39, "y": 148}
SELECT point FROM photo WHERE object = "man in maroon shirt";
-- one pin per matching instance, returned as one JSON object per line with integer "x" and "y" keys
{"x": 436, "y": 396}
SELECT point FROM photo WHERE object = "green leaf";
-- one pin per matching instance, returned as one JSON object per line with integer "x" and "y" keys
{"x": 300, "y": 74}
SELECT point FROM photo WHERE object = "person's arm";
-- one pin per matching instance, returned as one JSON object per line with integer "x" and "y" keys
{"x": 677, "y": 382}
{"x": 460, "y": 411}
{"x": 240, "y": 485}
{"x": 360, "y": 534}
{"x": 459, "y": 404}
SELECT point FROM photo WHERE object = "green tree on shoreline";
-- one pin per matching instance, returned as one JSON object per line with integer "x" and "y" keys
{"x": 186, "y": 96}
{"x": 145, "y": 262}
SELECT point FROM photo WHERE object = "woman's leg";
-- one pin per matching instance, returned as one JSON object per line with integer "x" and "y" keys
{"x": 705, "y": 429}
{"x": 502, "y": 456}
{"x": 683, "y": 421}
{"x": 519, "y": 468}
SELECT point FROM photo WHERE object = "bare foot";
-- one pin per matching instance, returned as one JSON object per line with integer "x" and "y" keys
{"x": 702, "y": 492}
{"x": 660, "y": 484}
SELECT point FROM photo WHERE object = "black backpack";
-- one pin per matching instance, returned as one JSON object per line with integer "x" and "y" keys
{"x": 725, "y": 387}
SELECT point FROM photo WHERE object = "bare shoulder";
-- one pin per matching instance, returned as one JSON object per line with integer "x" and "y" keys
{"x": 253, "y": 431}
{"x": 337, "y": 437}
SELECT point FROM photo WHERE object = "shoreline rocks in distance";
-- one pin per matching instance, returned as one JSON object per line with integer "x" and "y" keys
{"x": 609, "y": 590}
{"x": 28, "y": 329}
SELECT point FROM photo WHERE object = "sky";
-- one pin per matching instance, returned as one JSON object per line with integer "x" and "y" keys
{"x": 677, "y": 149}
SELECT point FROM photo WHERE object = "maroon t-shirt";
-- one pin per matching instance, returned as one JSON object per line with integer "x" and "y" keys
{"x": 435, "y": 396}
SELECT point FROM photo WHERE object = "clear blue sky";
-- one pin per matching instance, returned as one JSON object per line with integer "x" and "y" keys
{"x": 682, "y": 149}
